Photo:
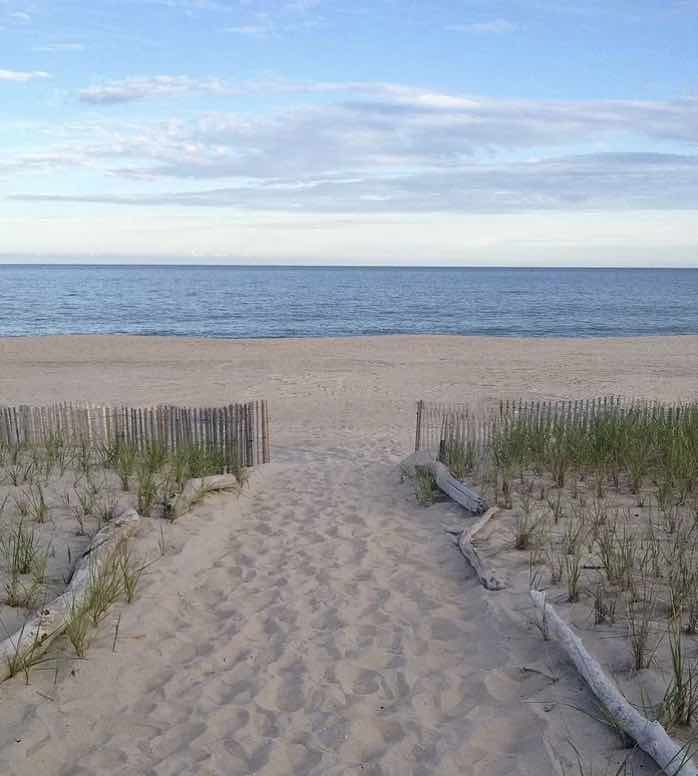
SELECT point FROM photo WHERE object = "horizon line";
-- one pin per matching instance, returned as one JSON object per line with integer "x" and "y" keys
{"x": 231, "y": 265}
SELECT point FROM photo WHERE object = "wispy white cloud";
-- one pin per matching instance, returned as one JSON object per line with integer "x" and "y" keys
{"x": 598, "y": 182}
{"x": 135, "y": 89}
{"x": 493, "y": 26}
{"x": 22, "y": 17}
{"x": 22, "y": 76}
{"x": 382, "y": 148}
{"x": 159, "y": 86}
{"x": 192, "y": 5}
{"x": 393, "y": 125}
{"x": 253, "y": 30}
{"x": 59, "y": 48}
{"x": 302, "y": 6}
{"x": 275, "y": 19}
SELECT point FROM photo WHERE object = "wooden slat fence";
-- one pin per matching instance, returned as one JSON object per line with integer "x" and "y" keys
{"x": 241, "y": 431}
{"x": 439, "y": 423}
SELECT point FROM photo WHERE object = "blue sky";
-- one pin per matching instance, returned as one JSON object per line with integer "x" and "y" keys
{"x": 321, "y": 131}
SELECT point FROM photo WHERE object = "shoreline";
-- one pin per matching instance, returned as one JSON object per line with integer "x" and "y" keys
{"x": 344, "y": 337}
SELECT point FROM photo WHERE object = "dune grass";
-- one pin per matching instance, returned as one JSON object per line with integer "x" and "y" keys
{"x": 47, "y": 486}
{"x": 615, "y": 488}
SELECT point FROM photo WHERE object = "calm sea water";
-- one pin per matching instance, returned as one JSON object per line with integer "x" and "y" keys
{"x": 312, "y": 302}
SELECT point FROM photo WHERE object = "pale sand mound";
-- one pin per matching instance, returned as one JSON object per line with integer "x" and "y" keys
{"x": 323, "y": 624}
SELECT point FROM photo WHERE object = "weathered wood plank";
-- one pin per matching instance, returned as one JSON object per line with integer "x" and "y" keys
{"x": 457, "y": 490}
{"x": 651, "y": 737}
{"x": 196, "y": 488}
{"x": 38, "y": 632}
{"x": 465, "y": 544}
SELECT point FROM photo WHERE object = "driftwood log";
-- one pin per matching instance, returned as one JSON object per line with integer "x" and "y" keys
{"x": 650, "y": 736}
{"x": 465, "y": 544}
{"x": 457, "y": 490}
{"x": 34, "y": 637}
{"x": 194, "y": 489}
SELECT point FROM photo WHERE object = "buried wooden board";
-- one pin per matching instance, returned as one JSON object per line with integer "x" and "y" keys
{"x": 28, "y": 643}
{"x": 34, "y": 637}
{"x": 462, "y": 494}
{"x": 194, "y": 489}
{"x": 487, "y": 577}
{"x": 650, "y": 736}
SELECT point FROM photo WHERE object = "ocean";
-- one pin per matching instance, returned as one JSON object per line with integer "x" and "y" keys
{"x": 246, "y": 302}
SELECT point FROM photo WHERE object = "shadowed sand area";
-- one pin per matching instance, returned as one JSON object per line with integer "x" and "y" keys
{"x": 323, "y": 623}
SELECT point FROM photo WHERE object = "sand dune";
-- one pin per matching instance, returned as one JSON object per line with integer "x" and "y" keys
{"x": 323, "y": 623}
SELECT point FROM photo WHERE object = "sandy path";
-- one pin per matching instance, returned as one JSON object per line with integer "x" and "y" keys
{"x": 323, "y": 624}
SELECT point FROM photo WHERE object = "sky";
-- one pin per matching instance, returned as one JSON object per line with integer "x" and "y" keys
{"x": 515, "y": 132}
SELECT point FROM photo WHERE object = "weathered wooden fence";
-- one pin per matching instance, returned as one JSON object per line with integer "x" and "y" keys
{"x": 475, "y": 426}
{"x": 438, "y": 421}
{"x": 240, "y": 431}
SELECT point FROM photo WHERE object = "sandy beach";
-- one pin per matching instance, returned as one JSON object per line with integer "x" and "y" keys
{"x": 322, "y": 623}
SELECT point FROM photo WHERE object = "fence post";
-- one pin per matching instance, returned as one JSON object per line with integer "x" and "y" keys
{"x": 265, "y": 432}
{"x": 418, "y": 433}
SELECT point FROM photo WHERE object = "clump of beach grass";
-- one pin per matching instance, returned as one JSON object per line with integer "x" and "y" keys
{"x": 20, "y": 548}
{"x": 555, "y": 504}
{"x": 573, "y": 574}
{"x": 23, "y": 660}
{"x": 22, "y": 504}
{"x": 556, "y": 563}
{"x": 604, "y": 605}
{"x": 641, "y": 619}
{"x": 461, "y": 459}
{"x": 57, "y": 455}
{"x": 425, "y": 487}
{"x": 105, "y": 586}
{"x": 38, "y": 507}
{"x": 20, "y": 473}
{"x": 131, "y": 570}
{"x": 77, "y": 627}
{"x": 680, "y": 702}
{"x": 83, "y": 457}
{"x": 82, "y": 503}
{"x": 125, "y": 457}
{"x": 529, "y": 527}
{"x": 147, "y": 490}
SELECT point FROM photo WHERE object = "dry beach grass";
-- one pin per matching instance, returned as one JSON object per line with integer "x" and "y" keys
{"x": 323, "y": 623}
